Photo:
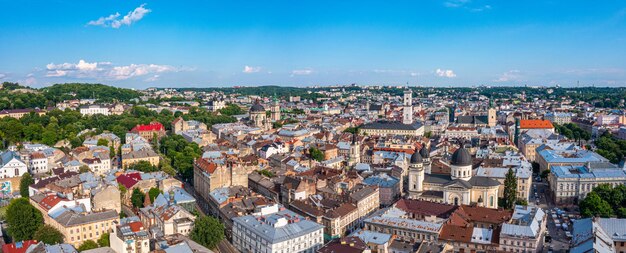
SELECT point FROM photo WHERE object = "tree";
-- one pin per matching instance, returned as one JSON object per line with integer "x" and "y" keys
{"x": 76, "y": 142}
{"x": 594, "y": 205}
{"x": 153, "y": 193}
{"x": 122, "y": 189}
{"x": 23, "y": 219}
{"x": 143, "y": 166}
{"x": 48, "y": 234}
{"x": 231, "y": 109}
{"x": 510, "y": 189}
{"x": 166, "y": 166}
{"x": 111, "y": 151}
{"x": 545, "y": 173}
{"x": 316, "y": 154}
{"x": 87, "y": 245}
{"x": 137, "y": 198}
{"x": 25, "y": 182}
{"x": 83, "y": 169}
{"x": 207, "y": 231}
{"x": 103, "y": 142}
{"x": 104, "y": 240}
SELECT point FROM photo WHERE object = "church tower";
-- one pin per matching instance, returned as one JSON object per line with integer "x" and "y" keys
{"x": 258, "y": 116}
{"x": 407, "y": 111}
{"x": 461, "y": 164}
{"x": 275, "y": 110}
{"x": 491, "y": 114}
{"x": 416, "y": 175}
{"x": 355, "y": 151}
{"x": 426, "y": 157}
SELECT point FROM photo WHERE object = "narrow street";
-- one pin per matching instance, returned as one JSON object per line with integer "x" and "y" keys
{"x": 560, "y": 243}
{"x": 224, "y": 246}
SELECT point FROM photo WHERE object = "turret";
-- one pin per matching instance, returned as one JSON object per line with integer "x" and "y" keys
{"x": 461, "y": 164}
{"x": 416, "y": 174}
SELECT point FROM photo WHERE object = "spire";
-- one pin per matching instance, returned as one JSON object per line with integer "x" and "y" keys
{"x": 354, "y": 138}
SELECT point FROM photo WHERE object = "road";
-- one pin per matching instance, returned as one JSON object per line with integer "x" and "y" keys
{"x": 560, "y": 243}
{"x": 128, "y": 211}
{"x": 224, "y": 246}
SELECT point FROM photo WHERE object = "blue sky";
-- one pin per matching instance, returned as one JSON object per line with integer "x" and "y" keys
{"x": 225, "y": 43}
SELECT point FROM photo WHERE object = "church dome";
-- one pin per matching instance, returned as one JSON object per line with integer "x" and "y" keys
{"x": 424, "y": 153}
{"x": 461, "y": 157}
{"x": 257, "y": 108}
{"x": 416, "y": 157}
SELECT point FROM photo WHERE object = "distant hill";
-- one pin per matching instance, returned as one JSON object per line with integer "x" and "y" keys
{"x": 100, "y": 92}
{"x": 15, "y": 96}
{"x": 265, "y": 91}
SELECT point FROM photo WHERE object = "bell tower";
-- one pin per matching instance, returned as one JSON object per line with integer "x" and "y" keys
{"x": 407, "y": 112}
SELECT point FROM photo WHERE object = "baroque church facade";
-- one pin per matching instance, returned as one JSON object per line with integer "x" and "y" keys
{"x": 460, "y": 187}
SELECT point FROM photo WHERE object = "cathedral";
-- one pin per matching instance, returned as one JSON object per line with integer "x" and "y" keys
{"x": 460, "y": 187}
{"x": 258, "y": 116}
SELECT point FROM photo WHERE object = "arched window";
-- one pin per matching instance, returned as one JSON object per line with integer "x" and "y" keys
{"x": 491, "y": 201}
{"x": 456, "y": 201}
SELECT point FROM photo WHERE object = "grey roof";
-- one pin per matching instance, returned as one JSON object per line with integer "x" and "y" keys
{"x": 296, "y": 227}
{"x": 459, "y": 183}
{"x": 424, "y": 152}
{"x": 71, "y": 218}
{"x": 437, "y": 179}
{"x": 483, "y": 181}
{"x": 257, "y": 108}
{"x": 471, "y": 119}
{"x": 392, "y": 125}
{"x": 461, "y": 157}
{"x": 416, "y": 157}
{"x": 615, "y": 228}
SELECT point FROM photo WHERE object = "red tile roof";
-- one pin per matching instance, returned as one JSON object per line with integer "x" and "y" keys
{"x": 487, "y": 215}
{"x": 153, "y": 126}
{"x": 535, "y": 124}
{"x": 205, "y": 165}
{"x": 18, "y": 247}
{"x": 129, "y": 179}
{"x": 136, "y": 226}
{"x": 425, "y": 208}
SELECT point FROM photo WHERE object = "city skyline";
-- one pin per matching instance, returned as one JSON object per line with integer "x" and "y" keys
{"x": 140, "y": 44}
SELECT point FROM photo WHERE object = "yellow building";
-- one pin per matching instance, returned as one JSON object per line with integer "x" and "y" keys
{"x": 133, "y": 157}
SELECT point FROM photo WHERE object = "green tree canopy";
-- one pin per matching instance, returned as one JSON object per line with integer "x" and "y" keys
{"x": 137, "y": 198}
{"x": 231, "y": 109}
{"x": 207, "y": 231}
{"x": 594, "y": 205}
{"x": 25, "y": 182}
{"x": 48, "y": 235}
{"x": 510, "y": 189}
{"x": 605, "y": 200}
{"x": 87, "y": 245}
{"x": 103, "y": 142}
{"x": 104, "y": 240}
{"x": 153, "y": 193}
{"x": 143, "y": 166}
{"x": 316, "y": 154}
{"x": 23, "y": 219}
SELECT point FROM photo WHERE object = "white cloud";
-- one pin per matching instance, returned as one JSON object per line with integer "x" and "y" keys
{"x": 445, "y": 73}
{"x": 249, "y": 69}
{"x": 466, "y": 4}
{"x": 153, "y": 78}
{"x": 114, "y": 21}
{"x": 509, "y": 76}
{"x": 106, "y": 70}
{"x": 2, "y": 76}
{"x": 302, "y": 72}
{"x": 455, "y": 3}
{"x": 29, "y": 81}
